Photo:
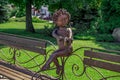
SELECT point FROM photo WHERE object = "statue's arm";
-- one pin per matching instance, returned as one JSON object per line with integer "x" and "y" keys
{"x": 54, "y": 34}
{"x": 70, "y": 33}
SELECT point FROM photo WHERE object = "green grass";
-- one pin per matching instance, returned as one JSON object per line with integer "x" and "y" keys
{"x": 19, "y": 29}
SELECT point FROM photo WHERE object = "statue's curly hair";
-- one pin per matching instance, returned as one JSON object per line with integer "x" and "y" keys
{"x": 59, "y": 13}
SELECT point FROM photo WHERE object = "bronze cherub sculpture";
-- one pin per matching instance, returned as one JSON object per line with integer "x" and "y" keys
{"x": 64, "y": 39}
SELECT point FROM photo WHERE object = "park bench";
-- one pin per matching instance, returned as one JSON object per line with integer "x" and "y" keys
{"x": 16, "y": 43}
{"x": 93, "y": 58}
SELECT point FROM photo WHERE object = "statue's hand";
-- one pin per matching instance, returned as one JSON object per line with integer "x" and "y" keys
{"x": 68, "y": 40}
{"x": 60, "y": 38}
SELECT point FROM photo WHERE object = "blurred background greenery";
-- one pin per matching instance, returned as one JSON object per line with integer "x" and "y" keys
{"x": 92, "y": 19}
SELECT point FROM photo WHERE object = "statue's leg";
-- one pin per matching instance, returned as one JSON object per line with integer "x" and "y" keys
{"x": 61, "y": 53}
{"x": 53, "y": 57}
{"x": 56, "y": 62}
{"x": 47, "y": 64}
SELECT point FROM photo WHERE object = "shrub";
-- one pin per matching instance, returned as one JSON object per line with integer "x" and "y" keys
{"x": 13, "y": 12}
{"x": 37, "y": 20}
{"x": 3, "y": 14}
{"x": 110, "y": 12}
{"x": 22, "y": 19}
{"x": 3, "y": 11}
{"x": 20, "y": 12}
{"x": 48, "y": 29}
{"x": 96, "y": 37}
{"x": 104, "y": 38}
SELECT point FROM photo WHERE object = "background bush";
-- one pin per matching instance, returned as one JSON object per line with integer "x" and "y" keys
{"x": 3, "y": 11}
{"x": 37, "y": 20}
{"x": 23, "y": 19}
{"x": 20, "y": 12}
{"x": 110, "y": 16}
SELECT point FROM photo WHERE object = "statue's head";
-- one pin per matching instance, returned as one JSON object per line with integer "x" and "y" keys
{"x": 61, "y": 17}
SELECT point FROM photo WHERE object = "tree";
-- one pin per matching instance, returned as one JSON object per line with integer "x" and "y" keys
{"x": 26, "y": 4}
{"x": 29, "y": 25}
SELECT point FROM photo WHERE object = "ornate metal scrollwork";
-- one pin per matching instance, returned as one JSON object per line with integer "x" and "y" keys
{"x": 77, "y": 70}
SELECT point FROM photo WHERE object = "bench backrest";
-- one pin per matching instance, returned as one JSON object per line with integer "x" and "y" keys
{"x": 23, "y": 43}
{"x": 102, "y": 60}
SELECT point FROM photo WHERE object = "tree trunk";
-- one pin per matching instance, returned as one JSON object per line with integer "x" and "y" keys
{"x": 29, "y": 25}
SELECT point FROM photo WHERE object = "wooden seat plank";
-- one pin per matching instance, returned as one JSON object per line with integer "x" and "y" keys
{"x": 14, "y": 74}
{"x": 23, "y": 46}
{"x": 23, "y": 41}
{"x": 9, "y": 76}
{"x": 100, "y": 64}
{"x": 103, "y": 56}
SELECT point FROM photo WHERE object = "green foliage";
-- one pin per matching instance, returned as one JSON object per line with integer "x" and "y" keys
{"x": 48, "y": 29}
{"x": 97, "y": 37}
{"x": 17, "y": 12}
{"x": 3, "y": 11}
{"x": 3, "y": 2}
{"x": 3, "y": 16}
{"x": 20, "y": 3}
{"x": 20, "y": 12}
{"x": 104, "y": 38}
{"x": 37, "y": 20}
{"x": 13, "y": 12}
{"x": 110, "y": 12}
{"x": 21, "y": 19}
{"x": 83, "y": 18}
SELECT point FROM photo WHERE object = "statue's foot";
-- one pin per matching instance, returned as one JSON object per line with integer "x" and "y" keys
{"x": 59, "y": 69}
{"x": 45, "y": 67}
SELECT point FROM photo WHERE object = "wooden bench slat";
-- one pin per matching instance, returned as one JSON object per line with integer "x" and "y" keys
{"x": 17, "y": 68}
{"x": 22, "y": 46}
{"x": 100, "y": 64}
{"x": 10, "y": 75}
{"x": 15, "y": 73}
{"x": 27, "y": 74}
{"x": 104, "y": 56}
{"x": 23, "y": 41}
